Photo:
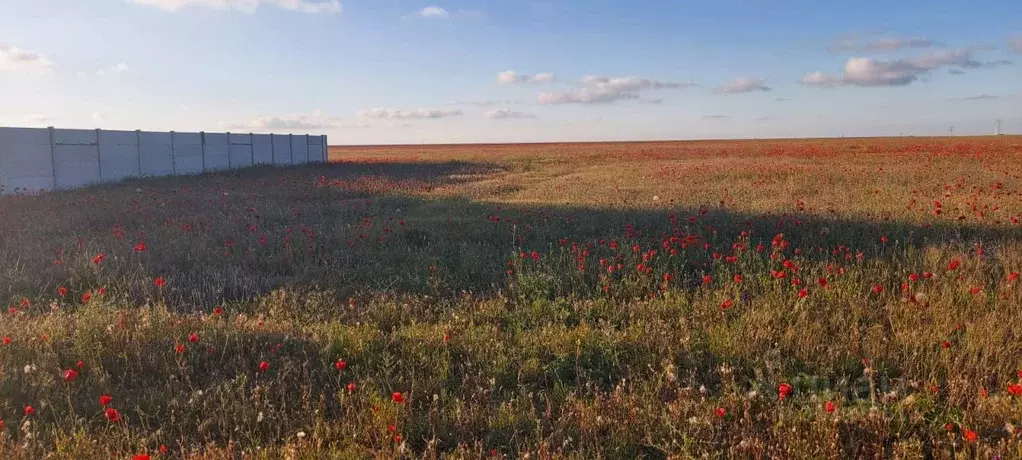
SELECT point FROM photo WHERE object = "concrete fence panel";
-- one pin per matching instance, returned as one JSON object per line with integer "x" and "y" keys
{"x": 281, "y": 149}
{"x": 34, "y": 160}
{"x": 216, "y": 151}
{"x": 119, "y": 155}
{"x": 26, "y": 160}
{"x": 188, "y": 153}
{"x": 299, "y": 150}
{"x": 262, "y": 149}
{"x": 76, "y": 159}
{"x": 156, "y": 154}
{"x": 241, "y": 150}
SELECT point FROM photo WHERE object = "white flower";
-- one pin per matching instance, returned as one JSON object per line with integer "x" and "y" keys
{"x": 30, "y": 368}
{"x": 301, "y": 434}
{"x": 259, "y": 418}
{"x": 656, "y": 198}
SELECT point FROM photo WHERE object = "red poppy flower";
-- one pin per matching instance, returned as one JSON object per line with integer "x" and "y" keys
{"x": 975, "y": 290}
{"x": 112, "y": 415}
{"x": 86, "y": 297}
{"x": 98, "y": 259}
{"x": 218, "y": 311}
{"x": 829, "y": 406}
{"x": 721, "y": 412}
{"x": 340, "y": 365}
{"x": 945, "y": 344}
{"x": 62, "y": 291}
{"x": 398, "y": 397}
{"x": 351, "y": 387}
{"x": 739, "y": 278}
{"x": 29, "y": 410}
{"x": 877, "y": 289}
{"x": 140, "y": 247}
{"x": 140, "y": 457}
{"x": 954, "y": 264}
{"x": 264, "y": 366}
{"x": 159, "y": 282}
{"x": 822, "y": 282}
{"x": 803, "y": 293}
{"x": 179, "y": 348}
{"x": 727, "y": 303}
{"x": 784, "y": 390}
{"x": 1013, "y": 276}
{"x": 1015, "y": 389}
{"x": 970, "y": 435}
{"x": 707, "y": 279}
{"x": 80, "y": 364}
{"x": 7, "y": 340}
{"x": 105, "y": 400}
{"x": 193, "y": 337}
{"x": 70, "y": 375}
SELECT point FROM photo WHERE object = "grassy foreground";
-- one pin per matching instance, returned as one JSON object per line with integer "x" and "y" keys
{"x": 853, "y": 298}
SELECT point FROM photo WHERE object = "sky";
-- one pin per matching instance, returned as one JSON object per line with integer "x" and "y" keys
{"x": 460, "y": 71}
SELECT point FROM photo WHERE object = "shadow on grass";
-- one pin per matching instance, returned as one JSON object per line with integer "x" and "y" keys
{"x": 355, "y": 228}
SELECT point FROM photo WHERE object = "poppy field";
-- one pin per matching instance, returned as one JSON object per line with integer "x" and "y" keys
{"x": 838, "y": 298}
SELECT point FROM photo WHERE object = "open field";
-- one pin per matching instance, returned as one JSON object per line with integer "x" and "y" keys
{"x": 842, "y": 298}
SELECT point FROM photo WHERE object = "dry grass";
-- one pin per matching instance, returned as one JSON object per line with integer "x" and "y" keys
{"x": 549, "y": 301}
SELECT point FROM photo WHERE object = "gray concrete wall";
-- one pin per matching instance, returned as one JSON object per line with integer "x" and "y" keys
{"x": 36, "y": 160}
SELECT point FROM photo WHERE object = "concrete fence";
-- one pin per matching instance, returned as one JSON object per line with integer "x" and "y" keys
{"x": 34, "y": 160}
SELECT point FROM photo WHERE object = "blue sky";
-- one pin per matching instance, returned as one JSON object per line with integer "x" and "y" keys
{"x": 397, "y": 71}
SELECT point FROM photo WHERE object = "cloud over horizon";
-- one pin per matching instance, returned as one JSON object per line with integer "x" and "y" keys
{"x": 743, "y": 85}
{"x": 510, "y": 77}
{"x": 862, "y": 71}
{"x": 14, "y": 59}
{"x": 857, "y": 44}
{"x": 247, "y": 6}
{"x": 502, "y": 114}
{"x": 605, "y": 90}
{"x": 400, "y": 114}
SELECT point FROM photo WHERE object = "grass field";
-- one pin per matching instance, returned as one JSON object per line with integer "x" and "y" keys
{"x": 844, "y": 298}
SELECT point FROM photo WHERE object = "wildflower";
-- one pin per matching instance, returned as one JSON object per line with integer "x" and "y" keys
{"x": 140, "y": 247}
{"x": 945, "y": 345}
{"x": 140, "y": 457}
{"x": 98, "y": 259}
{"x": 340, "y": 365}
{"x": 398, "y": 397}
{"x": 954, "y": 264}
{"x": 193, "y": 337}
{"x": 721, "y": 412}
{"x": 1015, "y": 389}
{"x": 70, "y": 375}
{"x": 784, "y": 390}
{"x": 1013, "y": 276}
{"x": 803, "y": 293}
{"x": 86, "y": 297}
{"x": 829, "y": 407}
{"x": 7, "y": 340}
{"x": 351, "y": 387}
{"x": 970, "y": 435}
{"x": 159, "y": 282}
{"x": 727, "y": 303}
{"x": 62, "y": 291}
{"x": 822, "y": 282}
{"x": 104, "y": 400}
{"x": 112, "y": 415}
{"x": 264, "y": 366}
{"x": 975, "y": 290}
{"x": 179, "y": 348}
{"x": 218, "y": 311}
{"x": 877, "y": 289}
{"x": 29, "y": 410}
{"x": 738, "y": 278}
{"x": 707, "y": 279}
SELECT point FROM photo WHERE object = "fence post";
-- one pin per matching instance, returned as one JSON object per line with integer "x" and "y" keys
{"x": 229, "y": 150}
{"x": 99, "y": 156}
{"x": 273, "y": 151}
{"x": 251, "y": 148}
{"x": 202, "y": 142}
{"x": 53, "y": 157}
{"x": 138, "y": 151}
{"x": 291, "y": 147}
{"x": 173, "y": 156}
{"x": 326, "y": 151}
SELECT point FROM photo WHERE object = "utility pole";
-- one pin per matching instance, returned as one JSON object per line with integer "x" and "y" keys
{"x": 951, "y": 130}
{"x": 997, "y": 128}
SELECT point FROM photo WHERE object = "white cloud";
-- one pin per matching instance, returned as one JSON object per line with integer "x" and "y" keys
{"x": 716, "y": 117}
{"x": 247, "y": 6}
{"x": 399, "y": 114}
{"x": 859, "y": 44}
{"x": 1015, "y": 43}
{"x": 18, "y": 60}
{"x": 860, "y": 71}
{"x": 485, "y": 103}
{"x": 743, "y": 85}
{"x": 116, "y": 68}
{"x": 434, "y": 11}
{"x": 34, "y": 119}
{"x": 501, "y": 114}
{"x": 283, "y": 123}
{"x": 510, "y": 77}
{"x": 98, "y": 117}
{"x": 979, "y": 97}
{"x": 604, "y": 90}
